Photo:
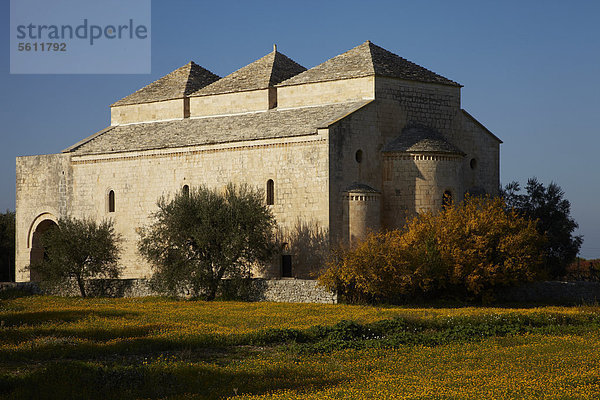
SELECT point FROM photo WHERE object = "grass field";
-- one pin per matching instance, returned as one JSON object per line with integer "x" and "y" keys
{"x": 156, "y": 348}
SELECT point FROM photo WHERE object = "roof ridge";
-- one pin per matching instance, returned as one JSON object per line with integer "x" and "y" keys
{"x": 370, "y": 47}
{"x": 272, "y": 75}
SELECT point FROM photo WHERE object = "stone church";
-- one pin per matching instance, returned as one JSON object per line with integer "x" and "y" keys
{"x": 360, "y": 142}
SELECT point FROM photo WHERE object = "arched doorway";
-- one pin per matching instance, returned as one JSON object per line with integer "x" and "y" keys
{"x": 38, "y": 253}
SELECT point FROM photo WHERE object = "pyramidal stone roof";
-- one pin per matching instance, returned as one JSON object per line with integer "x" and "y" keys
{"x": 421, "y": 139}
{"x": 265, "y": 72}
{"x": 175, "y": 85}
{"x": 367, "y": 59}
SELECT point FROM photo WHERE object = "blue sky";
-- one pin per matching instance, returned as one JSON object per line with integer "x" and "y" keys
{"x": 531, "y": 71}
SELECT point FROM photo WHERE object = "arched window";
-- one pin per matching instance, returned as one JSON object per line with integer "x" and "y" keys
{"x": 447, "y": 199}
{"x": 270, "y": 192}
{"x": 358, "y": 156}
{"x": 111, "y": 201}
{"x": 185, "y": 190}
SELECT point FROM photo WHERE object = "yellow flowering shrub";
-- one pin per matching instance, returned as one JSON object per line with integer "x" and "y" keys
{"x": 467, "y": 249}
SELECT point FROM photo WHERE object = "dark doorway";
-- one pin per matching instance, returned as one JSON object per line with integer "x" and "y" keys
{"x": 286, "y": 266}
{"x": 38, "y": 253}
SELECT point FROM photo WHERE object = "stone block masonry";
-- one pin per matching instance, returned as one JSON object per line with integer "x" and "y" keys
{"x": 275, "y": 290}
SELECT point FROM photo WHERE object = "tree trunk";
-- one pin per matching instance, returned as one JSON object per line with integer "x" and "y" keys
{"x": 81, "y": 284}
{"x": 214, "y": 285}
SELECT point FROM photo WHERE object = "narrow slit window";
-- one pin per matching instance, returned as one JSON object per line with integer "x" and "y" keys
{"x": 111, "y": 201}
{"x": 186, "y": 190}
{"x": 270, "y": 192}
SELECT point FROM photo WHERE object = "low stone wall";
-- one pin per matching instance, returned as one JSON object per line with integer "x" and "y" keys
{"x": 552, "y": 292}
{"x": 292, "y": 291}
{"x": 277, "y": 290}
{"x": 308, "y": 291}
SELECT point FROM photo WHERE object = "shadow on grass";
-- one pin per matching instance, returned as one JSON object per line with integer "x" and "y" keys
{"x": 44, "y": 317}
{"x": 80, "y": 380}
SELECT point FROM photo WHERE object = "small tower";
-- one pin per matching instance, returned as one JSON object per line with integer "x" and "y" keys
{"x": 363, "y": 211}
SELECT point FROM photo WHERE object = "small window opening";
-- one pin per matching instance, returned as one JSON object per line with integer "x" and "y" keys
{"x": 111, "y": 201}
{"x": 186, "y": 190}
{"x": 447, "y": 199}
{"x": 270, "y": 192}
{"x": 358, "y": 156}
{"x": 473, "y": 163}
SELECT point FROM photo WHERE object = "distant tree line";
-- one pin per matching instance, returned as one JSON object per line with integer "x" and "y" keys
{"x": 7, "y": 246}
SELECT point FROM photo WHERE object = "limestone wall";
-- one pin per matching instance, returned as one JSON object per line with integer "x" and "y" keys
{"x": 230, "y": 103}
{"x": 156, "y": 111}
{"x": 297, "y": 166}
{"x": 358, "y": 131}
{"x": 326, "y": 92}
{"x": 430, "y": 104}
{"x": 482, "y": 174}
{"x": 44, "y": 192}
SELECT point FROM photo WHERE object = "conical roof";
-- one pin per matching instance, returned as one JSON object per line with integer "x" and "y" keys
{"x": 367, "y": 59}
{"x": 360, "y": 187}
{"x": 421, "y": 139}
{"x": 265, "y": 72}
{"x": 175, "y": 85}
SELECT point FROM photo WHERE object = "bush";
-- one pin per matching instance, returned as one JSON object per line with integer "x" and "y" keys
{"x": 466, "y": 250}
{"x": 79, "y": 249}
{"x": 202, "y": 236}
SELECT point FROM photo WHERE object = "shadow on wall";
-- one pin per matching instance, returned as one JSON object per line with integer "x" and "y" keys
{"x": 308, "y": 245}
{"x": 400, "y": 184}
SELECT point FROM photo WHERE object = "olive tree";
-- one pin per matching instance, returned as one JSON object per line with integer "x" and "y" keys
{"x": 79, "y": 249}
{"x": 552, "y": 212}
{"x": 201, "y": 236}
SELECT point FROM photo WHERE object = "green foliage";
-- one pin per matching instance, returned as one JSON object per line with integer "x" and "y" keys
{"x": 7, "y": 246}
{"x": 79, "y": 249}
{"x": 200, "y": 237}
{"x": 468, "y": 249}
{"x": 552, "y": 211}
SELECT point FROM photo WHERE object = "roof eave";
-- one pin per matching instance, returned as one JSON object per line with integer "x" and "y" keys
{"x": 450, "y": 83}
{"x": 429, "y": 152}
{"x": 367, "y": 102}
{"x": 198, "y": 94}
{"x": 87, "y": 139}
{"x": 134, "y": 103}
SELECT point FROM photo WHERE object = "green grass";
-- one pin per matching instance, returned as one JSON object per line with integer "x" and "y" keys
{"x": 155, "y": 348}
